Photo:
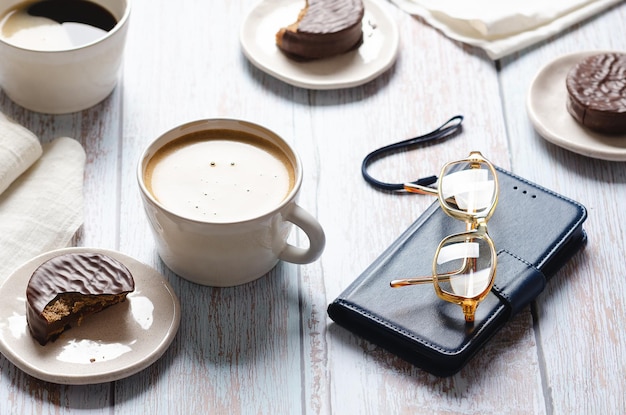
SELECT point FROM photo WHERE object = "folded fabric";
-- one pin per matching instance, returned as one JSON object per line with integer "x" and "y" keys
{"x": 19, "y": 148}
{"x": 42, "y": 206}
{"x": 502, "y": 27}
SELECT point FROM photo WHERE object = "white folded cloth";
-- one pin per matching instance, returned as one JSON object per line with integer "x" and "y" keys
{"x": 19, "y": 148}
{"x": 502, "y": 27}
{"x": 41, "y": 200}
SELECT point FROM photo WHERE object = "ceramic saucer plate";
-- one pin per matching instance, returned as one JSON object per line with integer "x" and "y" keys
{"x": 113, "y": 344}
{"x": 546, "y": 106}
{"x": 377, "y": 53}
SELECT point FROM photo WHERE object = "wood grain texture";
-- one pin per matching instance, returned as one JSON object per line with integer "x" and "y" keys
{"x": 268, "y": 347}
{"x": 581, "y": 314}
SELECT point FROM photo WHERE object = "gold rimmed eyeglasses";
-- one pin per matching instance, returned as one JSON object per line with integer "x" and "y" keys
{"x": 464, "y": 266}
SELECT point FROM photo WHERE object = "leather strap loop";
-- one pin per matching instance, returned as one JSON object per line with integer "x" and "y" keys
{"x": 447, "y": 129}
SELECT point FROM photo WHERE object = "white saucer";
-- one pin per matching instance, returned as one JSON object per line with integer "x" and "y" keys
{"x": 113, "y": 344}
{"x": 377, "y": 53}
{"x": 546, "y": 106}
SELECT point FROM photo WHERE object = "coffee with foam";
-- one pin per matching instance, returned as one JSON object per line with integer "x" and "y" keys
{"x": 55, "y": 25}
{"x": 220, "y": 196}
{"x": 219, "y": 176}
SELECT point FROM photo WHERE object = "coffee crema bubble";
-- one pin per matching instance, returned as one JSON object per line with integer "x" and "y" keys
{"x": 219, "y": 176}
{"x": 53, "y": 25}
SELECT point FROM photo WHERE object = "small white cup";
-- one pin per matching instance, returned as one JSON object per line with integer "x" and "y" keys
{"x": 231, "y": 253}
{"x": 64, "y": 81}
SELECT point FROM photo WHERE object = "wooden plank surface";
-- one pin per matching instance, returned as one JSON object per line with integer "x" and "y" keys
{"x": 268, "y": 347}
{"x": 579, "y": 316}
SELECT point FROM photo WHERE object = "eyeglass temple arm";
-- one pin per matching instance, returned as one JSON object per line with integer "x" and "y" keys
{"x": 425, "y": 190}
{"x": 414, "y": 187}
{"x": 404, "y": 282}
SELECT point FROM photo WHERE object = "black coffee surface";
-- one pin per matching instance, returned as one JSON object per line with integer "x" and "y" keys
{"x": 77, "y": 11}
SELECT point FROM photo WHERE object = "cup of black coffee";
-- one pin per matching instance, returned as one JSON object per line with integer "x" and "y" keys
{"x": 61, "y": 56}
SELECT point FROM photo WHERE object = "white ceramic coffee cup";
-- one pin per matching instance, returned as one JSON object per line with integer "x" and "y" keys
{"x": 64, "y": 81}
{"x": 236, "y": 252}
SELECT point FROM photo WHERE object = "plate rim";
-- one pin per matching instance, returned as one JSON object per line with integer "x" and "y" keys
{"x": 314, "y": 84}
{"x": 541, "y": 124}
{"x": 143, "y": 361}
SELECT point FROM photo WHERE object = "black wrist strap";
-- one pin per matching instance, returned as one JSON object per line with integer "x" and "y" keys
{"x": 450, "y": 127}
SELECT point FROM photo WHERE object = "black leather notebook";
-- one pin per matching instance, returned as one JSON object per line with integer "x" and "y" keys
{"x": 535, "y": 232}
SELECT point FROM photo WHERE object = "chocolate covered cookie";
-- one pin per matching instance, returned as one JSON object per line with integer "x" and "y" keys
{"x": 323, "y": 28}
{"x": 596, "y": 89}
{"x": 67, "y": 288}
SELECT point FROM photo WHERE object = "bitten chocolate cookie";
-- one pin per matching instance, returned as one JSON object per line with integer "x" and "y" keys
{"x": 69, "y": 287}
{"x": 323, "y": 28}
{"x": 597, "y": 93}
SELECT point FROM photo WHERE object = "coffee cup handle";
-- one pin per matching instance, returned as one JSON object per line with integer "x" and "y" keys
{"x": 313, "y": 230}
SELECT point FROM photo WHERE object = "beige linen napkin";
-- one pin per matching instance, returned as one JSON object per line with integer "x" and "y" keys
{"x": 502, "y": 27}
{"x": 41, "y": 207}
{"x": 19, "y": 148}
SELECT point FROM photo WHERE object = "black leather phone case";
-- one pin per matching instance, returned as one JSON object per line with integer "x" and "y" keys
{"x": 535, "y": 232}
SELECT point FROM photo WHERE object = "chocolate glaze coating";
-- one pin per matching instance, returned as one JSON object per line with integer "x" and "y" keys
{"x": 324, "y": 28}
{"x": 87, "y": 282}
{"x": 597, "y": 93}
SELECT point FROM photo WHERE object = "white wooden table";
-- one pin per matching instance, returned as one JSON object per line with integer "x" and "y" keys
{"x": 268, "y": 347}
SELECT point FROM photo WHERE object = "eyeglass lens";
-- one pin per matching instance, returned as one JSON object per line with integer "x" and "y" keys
{"x": 464, "y": 265}
{"x": 468, "y": 187}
